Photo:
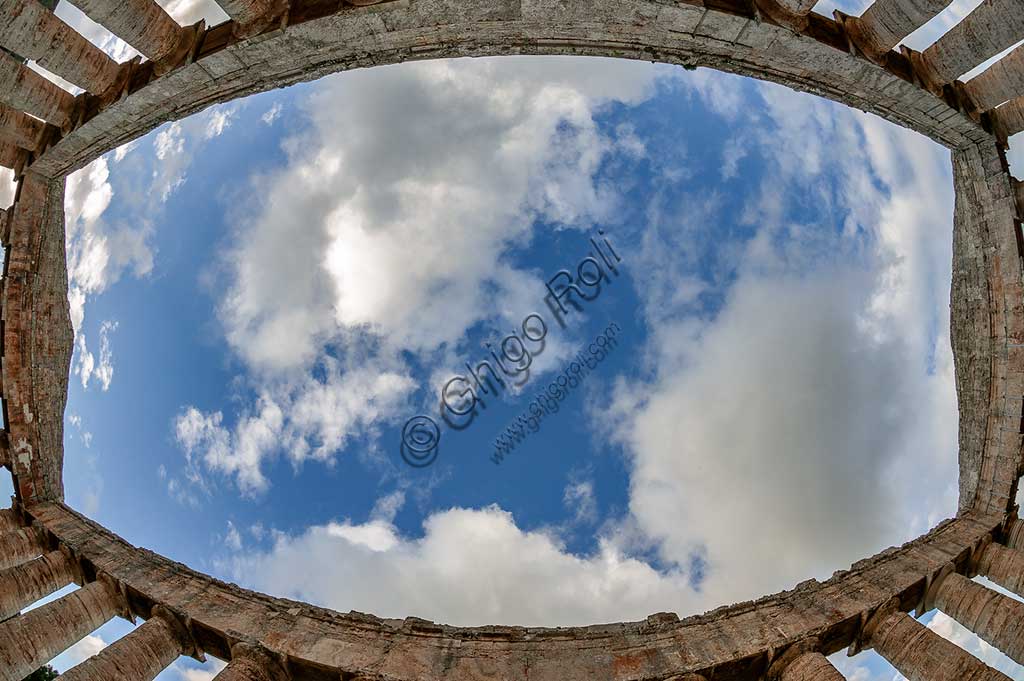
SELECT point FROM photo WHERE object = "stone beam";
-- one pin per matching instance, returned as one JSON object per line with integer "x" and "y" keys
{"x": 20, "y": 546}
{"x": 251, "y": 663}
{"x": 25, "y": 584}
{"x": 31, "y": 640}
{"x": 20, "y": 129}
{"x": 997, "y": 619}
{"x": 139, "y": 656}
{"x": 992, "y": 27}
{"x": 886, "y": 22}
{"x": 313, "y": 45}
{"x": 34, "y": 32}
{"x": 730, "y": 640}
{"x": 23, "y": 89}
{"x": 37, "y": 339}
{"x": 143, "y": 24}
{"x": 920, "y": 654}
{"x": 1000, "y": 82}
{"x": 1004, "y": 567}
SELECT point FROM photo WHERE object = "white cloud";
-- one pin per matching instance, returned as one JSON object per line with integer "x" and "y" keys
{"x": 86, "y": 366}
{"x": 272, "y": 113}
{"x": 470, "y": 567}
{"x": 80, "y": 652}
{"x": 360, "y": 243}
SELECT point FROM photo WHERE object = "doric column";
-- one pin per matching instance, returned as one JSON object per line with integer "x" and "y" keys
{"x": 1003, "y": 566}
{"x": 139, "y": 656}
{"x": 9, "y": 520}
{"x": 31, "y": 640}
{"x": 143, "y": 24}
{"x": 991, "y": 615}
{"x": 920, "y": 654}
{"x": 1009, "y": 118}
{"x": 249, "y": 663}
{"x": 19, "y": 129}
{"x": 10, "y": 155}
{"x": 25, "y": 90}
{"x": 1000, "y": 82}
{"x": 809, "y": 666}
{"x": 1018, "y": 191}
{"x": 992, "y": 27}
{"x": 252, "y": 16}
{"x": 1015, "y": 532}
{"x": 30, "y": 30}
{"x": 886, "y": 22}
{"x": 24, "y": 585}
{"x": 20, "y": 546}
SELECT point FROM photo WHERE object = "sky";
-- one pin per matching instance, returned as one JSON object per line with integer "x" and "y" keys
{"x": 754, "y": 391}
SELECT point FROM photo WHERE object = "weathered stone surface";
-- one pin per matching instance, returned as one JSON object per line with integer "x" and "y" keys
{"x": 31, "y": 640}
{"x": 23, "y": 89}
{"x": 25, "y": 584}
{"x": 992, "y": 27}
{"x": 1000, "y": 82}
{"x": 317, "y": 38}
{"x": 886, "y": 22}
{"x": 922, "y": 655}
{"x": 315, "y": 638}
{"x": 1009, "y": 117}
{"x": 143, "y": 24}
{"x": 19, "y": 129}
{"x": 1015, "y": 531}
{"x": 20, "y": 546}
{"x": 997, "y": 619}
{"x": 37, "y": 338}
{"x": 138, "y": 656}
{"x": 249, "y": 663}
{"x": 810, "y": 667}
{"x": 1004, "y": 567}
{"x": 395, "y": 32}
{"x": 31, "y": 30}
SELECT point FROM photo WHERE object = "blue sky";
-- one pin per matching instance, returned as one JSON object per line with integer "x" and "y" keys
{"x": 265, "y": 292}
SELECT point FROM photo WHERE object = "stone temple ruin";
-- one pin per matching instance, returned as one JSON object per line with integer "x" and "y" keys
{"x": 46, "y": 133}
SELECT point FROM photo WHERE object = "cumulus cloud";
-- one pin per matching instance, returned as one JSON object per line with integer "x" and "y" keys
{"x": 469, "y": 567}
{"x": 395, "y": 239}
{"x": 778, "y": 429}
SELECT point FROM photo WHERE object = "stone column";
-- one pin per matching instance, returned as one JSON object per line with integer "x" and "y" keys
{"x": 31, "y": 640}
{"x": 25, "y": 90}
{"x": 1017, "y": 542}
{"x": 10, "y": 155}
{"x": 20, "y": 546}
{"x": 997, "y": 619}
{"x": 1015, "y": 532}
{"x": 9, "y": 520}
{"x": 1003, "y": 566}
{"x": 30, "y": 30}
{"x": 251, "y": 16}
{"x": 886, "y": 22}
{"x": 811, "y": 666}
{"x": 922, "y": 655}
{"x": 1009, "y": 120}
{"x": 20, "y": 129}
{"x": 992, "y": 27}
{"x": 143, "y": 24}
{"x": 139, "y": 656}
{"x": 24, "y": 585}
{"x": 249, "y": 663}
{"x": 1000, "y": 82}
